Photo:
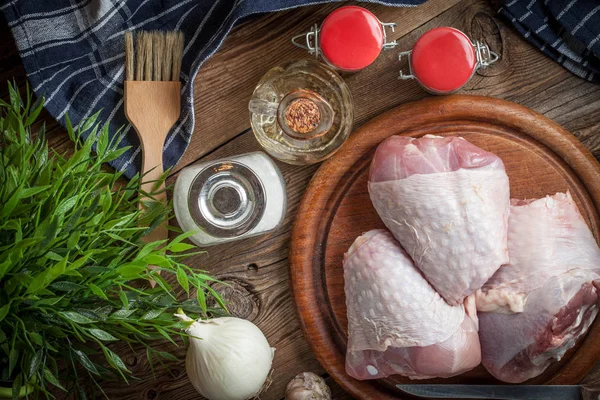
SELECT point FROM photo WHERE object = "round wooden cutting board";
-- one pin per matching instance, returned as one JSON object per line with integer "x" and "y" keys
{"x": 541, "y": 158}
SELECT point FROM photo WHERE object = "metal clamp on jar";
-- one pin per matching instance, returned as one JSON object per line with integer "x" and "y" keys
{"x": 349, "y": 39}
{"x": 444, "y": 59}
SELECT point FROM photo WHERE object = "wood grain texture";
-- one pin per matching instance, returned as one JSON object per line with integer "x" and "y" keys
{"x": 259, "y": 266}
{"x": 153, "y": 108}
{"x": 540, "y": 157}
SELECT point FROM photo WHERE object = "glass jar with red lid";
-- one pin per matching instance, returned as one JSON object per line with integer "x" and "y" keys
{"x": 349, "y": 39}
{"x": 444, "y": 59}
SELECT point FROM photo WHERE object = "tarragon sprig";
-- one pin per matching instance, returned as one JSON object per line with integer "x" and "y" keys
{"x": 72, "y": 259}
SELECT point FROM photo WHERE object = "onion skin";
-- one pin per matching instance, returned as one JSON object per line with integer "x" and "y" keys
{"x": 228, "y": 358}
{"x": 307, "y": 386}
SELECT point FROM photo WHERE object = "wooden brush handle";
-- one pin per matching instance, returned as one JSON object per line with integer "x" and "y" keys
{"x": 153, "y": 108}
{"x": 152, "y": 167}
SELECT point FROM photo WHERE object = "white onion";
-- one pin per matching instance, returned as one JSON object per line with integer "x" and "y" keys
{"x": 228, "y": 358}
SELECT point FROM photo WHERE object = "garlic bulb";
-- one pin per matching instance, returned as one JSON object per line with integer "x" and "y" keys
{"x": 307, "y": 386}
{"x": 228, "y": 358}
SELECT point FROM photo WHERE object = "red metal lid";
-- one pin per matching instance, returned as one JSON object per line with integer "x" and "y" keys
{"x": 443, "y": 59}
{"x": 351, "y": 38}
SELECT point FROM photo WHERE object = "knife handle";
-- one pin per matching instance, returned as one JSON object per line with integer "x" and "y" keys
{"x": 590, "y": 393}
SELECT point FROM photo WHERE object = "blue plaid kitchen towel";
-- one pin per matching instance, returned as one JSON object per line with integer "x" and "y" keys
{"x": 74, "y": 54}
{"x": 73, "y": 50}
{"x": 568, "y": 31}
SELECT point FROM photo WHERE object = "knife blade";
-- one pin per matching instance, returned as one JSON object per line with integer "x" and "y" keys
{"x": 502, "y": 392}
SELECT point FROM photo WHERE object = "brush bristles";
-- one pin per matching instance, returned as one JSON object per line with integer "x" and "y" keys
{"x": 139, "y": 56}
{"x": 167, "y": 54}
{"x": 129, "y": 71}
{"x": 158, "y": 44}
{"x": 177, "y": 55}
{"x": 157, "y": 56}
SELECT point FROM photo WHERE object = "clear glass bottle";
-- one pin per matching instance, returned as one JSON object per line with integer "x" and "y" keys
{"x": 230, "y": 199}
{"x": 301, "y": 112}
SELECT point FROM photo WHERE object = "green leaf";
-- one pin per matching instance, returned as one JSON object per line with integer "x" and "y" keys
{"x": 122, "y": 314}
{"x": 150, "y": 362}
{"x": 17, "y": 387}
{"x": 64, "y": 286}
{"x": 97, "y": 291}
{"x": 114, "y": 360}
{"x": 13, "y": 357}
{"x": 102, "y": 335}
{"x": 201, "y": 296}
{"x": 53, "y": 256}
{"x": 85, "y": 361}
{"x": 76, "y": 317}
{"x": 35, "y": 110}
{"x": 49, "y": 376}
{"x": 49, "y": 301}
{"x": 116, "y": 153}
{"x": 132, "y": 270}
{"x": 44, "y": 278}
{"x": 32, "y": 191}
{"x": 66, "y": 205}
{"x": 151, "y": 314}
{"x": 124, "y": 299}
{"x": 102, "y": 142}
{"x": 164, "y": 285}
{"x": 156, "y": 259}
{"x": 147, "y": 249}
{"x": 183, "y": 279}
{"x": 47, "y": 232}
{"x": 180, "y": 247}
{"x": 167, "y": 356}
{"x": 164, "y": 334}
{"x": 36, "y": 338}
{"x": 79, "y": 262}
{"x": 4, "y": 311}
{"x": 34, "y": 364}
{"x": 12, "y": 202}
{"x": 73, "y": 240}
{"x": 70, "y": 129}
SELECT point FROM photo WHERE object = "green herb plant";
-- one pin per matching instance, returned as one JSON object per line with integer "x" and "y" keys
{"x": 73, "y": 267}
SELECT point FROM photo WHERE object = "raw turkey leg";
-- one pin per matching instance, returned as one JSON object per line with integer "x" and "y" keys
{"x": 397, "y": 323}
{"x": 550, "y": 283}
{"x": 446, "y": 201}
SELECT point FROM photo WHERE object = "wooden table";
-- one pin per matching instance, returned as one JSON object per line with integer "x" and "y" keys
{"x": 257, "y": 269}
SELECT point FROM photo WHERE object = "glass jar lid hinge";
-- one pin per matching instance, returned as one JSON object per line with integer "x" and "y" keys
{"x": 311, "y": 41}
{"x": 311, "y": 38}
{"x": 410, "y": 74}
{"x": 485, "y": 56}
{"x": 392, "y": 26}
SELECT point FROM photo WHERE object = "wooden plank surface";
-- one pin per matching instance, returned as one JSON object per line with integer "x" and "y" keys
{"x": 257, "y": 268}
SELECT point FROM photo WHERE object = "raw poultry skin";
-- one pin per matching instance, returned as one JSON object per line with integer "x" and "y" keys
{"x": 536, "y": 308}
{"x": 397, "y": 323}
{"x": 446, "y": 201}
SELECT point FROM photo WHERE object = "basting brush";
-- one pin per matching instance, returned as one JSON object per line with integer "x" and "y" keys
{"x": 152, "y": 103}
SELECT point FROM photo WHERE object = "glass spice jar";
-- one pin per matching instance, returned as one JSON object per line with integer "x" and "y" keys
{"x": 301, "y": 112}
{"x": 230, "y": 199}
{"x": 444, "y": 59}
{"x": 349, "y": 39}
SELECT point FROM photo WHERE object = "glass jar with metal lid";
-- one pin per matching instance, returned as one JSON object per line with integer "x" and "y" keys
{"x": 349, "y": 39}
{"x": 444, "y": 59}
{"x": 230, "y": 199}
